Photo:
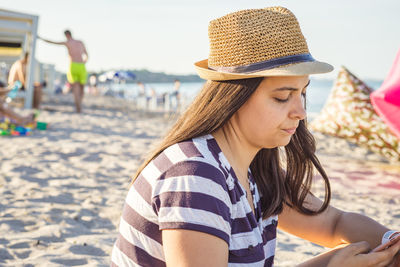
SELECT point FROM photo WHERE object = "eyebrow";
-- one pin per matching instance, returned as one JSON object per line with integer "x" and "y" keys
{"x": 291, "y": 88}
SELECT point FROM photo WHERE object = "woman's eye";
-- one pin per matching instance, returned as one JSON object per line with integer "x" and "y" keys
{"x": 280, "y": 100}
{"x": 283, "y": 100}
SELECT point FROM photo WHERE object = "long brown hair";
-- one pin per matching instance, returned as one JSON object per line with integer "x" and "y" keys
{"x": 278, "y": 184}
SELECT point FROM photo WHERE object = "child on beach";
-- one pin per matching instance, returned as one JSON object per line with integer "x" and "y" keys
{"x": 7, "y": 112}
{"x": 239, "y": 159}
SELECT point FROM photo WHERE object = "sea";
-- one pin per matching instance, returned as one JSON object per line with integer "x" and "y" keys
{"x": 317, "y": 92}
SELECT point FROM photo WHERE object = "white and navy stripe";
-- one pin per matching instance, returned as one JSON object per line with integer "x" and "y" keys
{"x": 192, "y": 186}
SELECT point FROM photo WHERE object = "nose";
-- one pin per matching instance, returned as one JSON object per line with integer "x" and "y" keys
{"x": 298, "y": 111}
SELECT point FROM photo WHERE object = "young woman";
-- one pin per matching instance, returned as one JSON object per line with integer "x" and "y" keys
{"x": 239, "y": 157}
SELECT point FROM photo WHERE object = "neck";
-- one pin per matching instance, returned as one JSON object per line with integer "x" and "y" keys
{"x": 236, "y": 148}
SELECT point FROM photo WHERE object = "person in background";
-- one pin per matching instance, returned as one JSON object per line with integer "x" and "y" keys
{"x": 143, "y": 97}
{"x": 240, "y": 162}
{"x": 5, "y": 111}
{"x": 18, "y": 73}
{"x": 58, "y": 87}
{"x": 77, "y": 74}
{"x": 176, "y": 94}
{"x": 142, "y": 89}
{"x": 93, "y": 90}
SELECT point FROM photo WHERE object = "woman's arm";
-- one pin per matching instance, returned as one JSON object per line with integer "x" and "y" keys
{"x": 331, "y": 228}
{"x": 192, "y": 248}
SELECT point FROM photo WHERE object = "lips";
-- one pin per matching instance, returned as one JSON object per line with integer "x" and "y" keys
{"x": 290, "y": 130}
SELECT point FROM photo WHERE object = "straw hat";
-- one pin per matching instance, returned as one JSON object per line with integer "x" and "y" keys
{"x": 257, "y": 43}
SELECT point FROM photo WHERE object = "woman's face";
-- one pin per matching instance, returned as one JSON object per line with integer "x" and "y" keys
{"x": 271, "y": 115}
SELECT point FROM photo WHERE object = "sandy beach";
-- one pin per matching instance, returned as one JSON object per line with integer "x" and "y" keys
{"x": 62, "y": 189}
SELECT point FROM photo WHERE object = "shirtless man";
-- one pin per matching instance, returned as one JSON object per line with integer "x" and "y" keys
{"x": 77, "y": 74}
{"x": 18, "y": 73}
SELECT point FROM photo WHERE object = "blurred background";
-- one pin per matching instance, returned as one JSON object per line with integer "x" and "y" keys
{"x": 158, "y": 41}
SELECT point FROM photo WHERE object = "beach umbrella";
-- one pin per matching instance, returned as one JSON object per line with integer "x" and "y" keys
{"x": 125, "y": 75}
{"x": 110, "y": 75}
{"x": 103, "y": 78}
{"x": 386, "y": 100}
{"x": 118, "y": 75}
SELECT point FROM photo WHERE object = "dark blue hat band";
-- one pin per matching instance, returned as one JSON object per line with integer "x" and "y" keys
{"x": 265, "y": 65}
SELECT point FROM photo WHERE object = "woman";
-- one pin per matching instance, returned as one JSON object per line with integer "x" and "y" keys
{"x": 211, "y": 193}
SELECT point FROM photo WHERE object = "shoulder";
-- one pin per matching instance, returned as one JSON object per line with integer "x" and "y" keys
{"x": 186, "y": 189}
{"x": 197, "y": 150}
{"x": 190, "y": 162}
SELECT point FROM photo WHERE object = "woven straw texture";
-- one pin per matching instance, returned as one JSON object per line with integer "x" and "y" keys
{"x": 254, "y": 35}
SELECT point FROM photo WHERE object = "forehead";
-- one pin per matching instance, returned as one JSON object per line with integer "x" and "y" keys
{"x": 272, "y": 83}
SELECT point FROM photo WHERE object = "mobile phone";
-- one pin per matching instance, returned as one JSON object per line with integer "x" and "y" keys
{"x": 387, "y": 244}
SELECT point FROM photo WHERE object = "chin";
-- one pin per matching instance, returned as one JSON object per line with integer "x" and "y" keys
{"x": 278, "y": 143}
{"x": 285, "y": 143}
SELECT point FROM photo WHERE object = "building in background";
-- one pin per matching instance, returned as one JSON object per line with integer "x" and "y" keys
{"x": 18, "y": 34}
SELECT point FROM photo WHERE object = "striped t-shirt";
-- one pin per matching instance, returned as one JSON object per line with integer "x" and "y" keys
{"x": 191, "y": 185}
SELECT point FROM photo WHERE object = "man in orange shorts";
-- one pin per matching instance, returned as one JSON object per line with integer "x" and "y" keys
{"x": 77, "y": 74}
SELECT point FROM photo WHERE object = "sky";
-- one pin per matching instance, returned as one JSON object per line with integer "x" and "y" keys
{"x": 169, "y": 36}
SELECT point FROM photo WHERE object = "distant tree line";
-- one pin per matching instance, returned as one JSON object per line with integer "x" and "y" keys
{"x": 161, "y": 77}
{"x": 147, "y": 76}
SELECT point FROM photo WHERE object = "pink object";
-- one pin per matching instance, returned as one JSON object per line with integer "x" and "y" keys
{"x": 386, "y": 100}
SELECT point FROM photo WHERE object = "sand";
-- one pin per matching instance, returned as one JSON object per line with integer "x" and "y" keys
{"x": 62, "y": 189}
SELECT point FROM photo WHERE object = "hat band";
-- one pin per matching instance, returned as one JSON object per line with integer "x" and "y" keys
{"x": 265, "y": 65}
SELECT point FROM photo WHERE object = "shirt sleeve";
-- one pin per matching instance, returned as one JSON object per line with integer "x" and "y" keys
{"x": 193, "y": 195}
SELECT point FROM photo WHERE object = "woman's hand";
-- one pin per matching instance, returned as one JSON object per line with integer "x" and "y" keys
{"x": 396, "y": 261}
{"x": 354, "y": 255}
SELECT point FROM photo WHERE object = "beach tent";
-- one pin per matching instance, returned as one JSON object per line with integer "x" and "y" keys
{"x": 18, "y": 33}
{"x": 349, "y": 114}
{"x": 386, "y": 100}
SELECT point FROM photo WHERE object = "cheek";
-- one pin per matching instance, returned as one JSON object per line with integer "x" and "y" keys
{"x": 258, "y": 121}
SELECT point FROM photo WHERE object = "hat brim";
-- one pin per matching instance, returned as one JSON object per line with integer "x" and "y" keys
{"x": 297, "y": 69}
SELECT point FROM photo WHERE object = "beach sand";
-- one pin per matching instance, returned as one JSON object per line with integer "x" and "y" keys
{"x": 62, "y": 189}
